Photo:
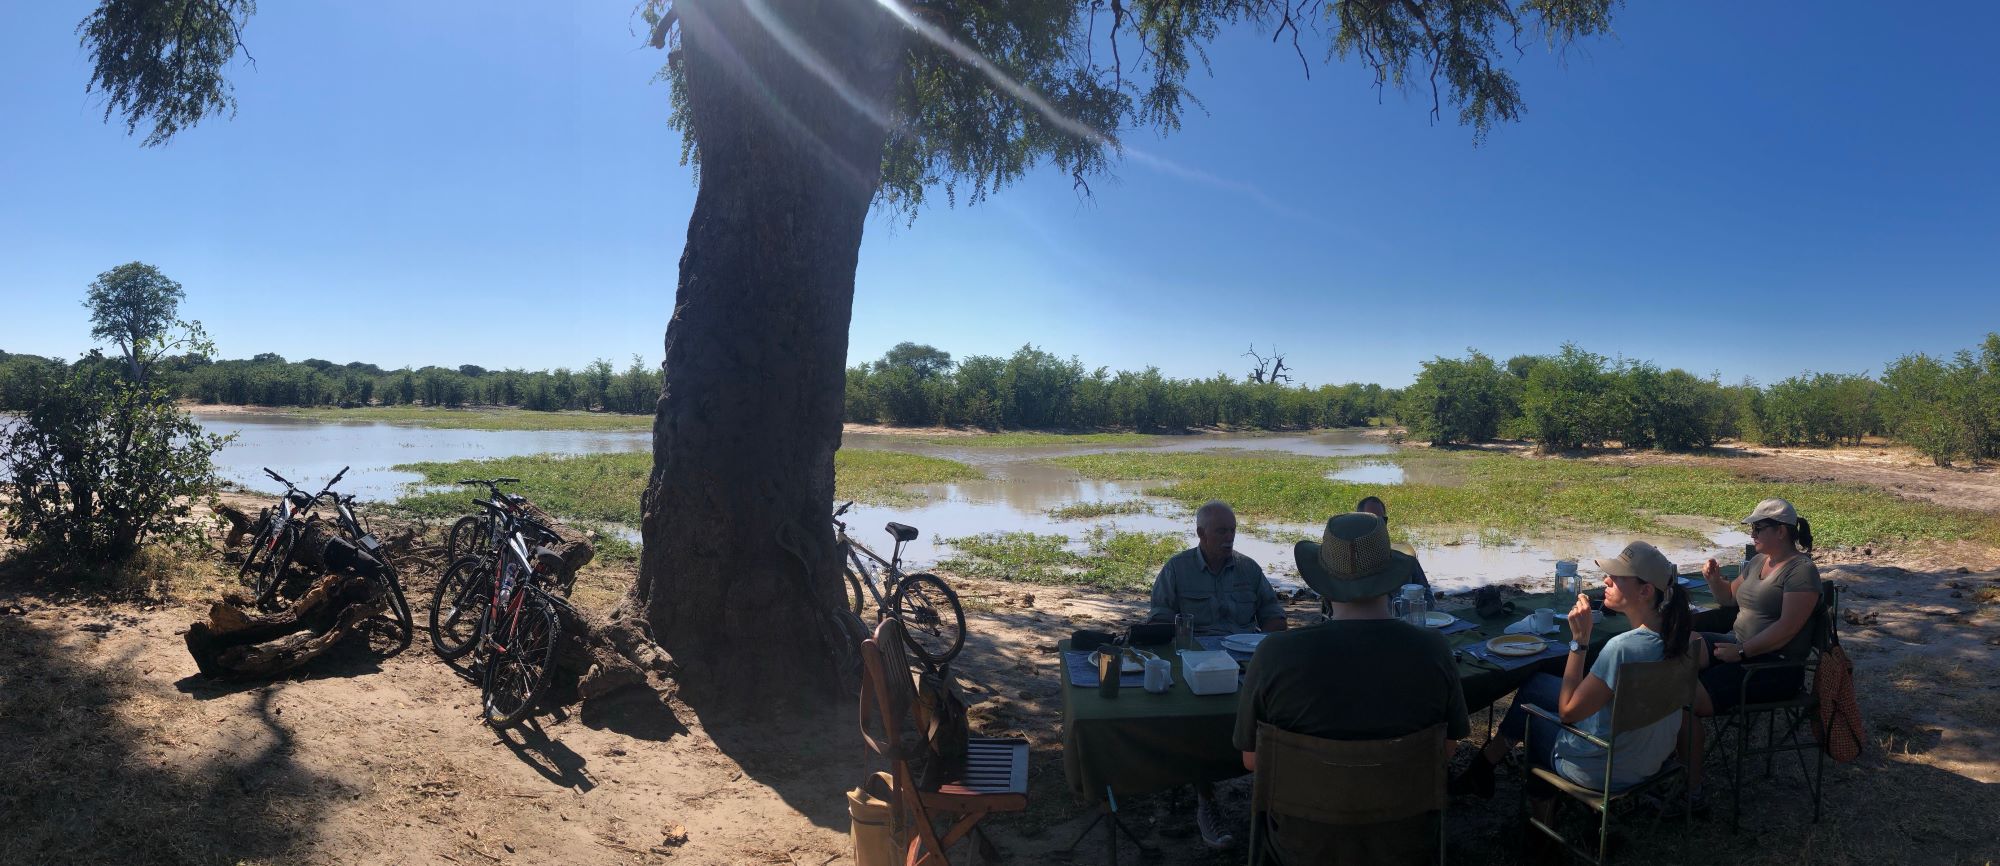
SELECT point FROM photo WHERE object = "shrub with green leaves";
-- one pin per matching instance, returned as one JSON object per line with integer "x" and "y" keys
{"x": 101, "y": 464}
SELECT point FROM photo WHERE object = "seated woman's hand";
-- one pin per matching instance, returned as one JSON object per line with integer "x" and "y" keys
{"x": 1581, "y": 619}
{"x": 1710, "y": 570}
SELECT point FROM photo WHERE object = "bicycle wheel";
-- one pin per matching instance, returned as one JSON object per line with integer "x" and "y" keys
{"x": 933, "y": 623}
{"x": 466, "y": 536}
{"x": 458, "y": 610}
{"x": 855, "y": 599}
{"x": 256, "y": 552}
{"x": 399, "y": 609}
{"x": 518, "y": 672}
{"x": 273, "y": 570}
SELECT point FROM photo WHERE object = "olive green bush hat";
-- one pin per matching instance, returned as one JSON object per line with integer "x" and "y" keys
{"x": 1352, "y": 561}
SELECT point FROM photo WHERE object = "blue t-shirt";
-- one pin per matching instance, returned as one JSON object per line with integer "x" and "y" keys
{"x": 1640, "y": 752}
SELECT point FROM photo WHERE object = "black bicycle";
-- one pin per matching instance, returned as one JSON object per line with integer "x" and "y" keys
{"x": 933, "y": 622}
{"x": 499, "y": 603}
{"x": 475, "y": 532}
{"x": 356, "y": 532}
{"x": 278, "y": 532}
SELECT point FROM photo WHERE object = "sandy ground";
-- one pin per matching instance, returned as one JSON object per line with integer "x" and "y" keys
{"x": 117, "y": 752}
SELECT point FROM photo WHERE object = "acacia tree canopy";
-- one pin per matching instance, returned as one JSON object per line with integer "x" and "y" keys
{"x": 990, "y": 91}
{"x": 162, "y": 61}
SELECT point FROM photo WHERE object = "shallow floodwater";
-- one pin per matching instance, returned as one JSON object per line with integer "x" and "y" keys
{"x": 309, "y": 452}
{"x": 1016, "y": 496}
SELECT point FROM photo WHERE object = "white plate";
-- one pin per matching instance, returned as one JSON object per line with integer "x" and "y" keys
{"x": 1516, "y": 645}
{"x": 1243, "y": 643}
{"x": 1439, "y": 619}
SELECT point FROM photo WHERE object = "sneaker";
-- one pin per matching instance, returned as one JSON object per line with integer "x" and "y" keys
{"x": 1476, "y": 780}
{"x": 1209, "y": 823}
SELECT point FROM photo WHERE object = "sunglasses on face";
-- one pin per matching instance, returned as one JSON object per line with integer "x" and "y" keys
{"x": 1759, "y": 528}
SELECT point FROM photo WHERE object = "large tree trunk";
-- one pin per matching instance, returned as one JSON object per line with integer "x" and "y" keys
{"x": 740, "y": 579}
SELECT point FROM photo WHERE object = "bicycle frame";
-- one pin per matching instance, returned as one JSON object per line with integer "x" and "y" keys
{"x": 848, "y": 544}
{"x": 514, "y": 553}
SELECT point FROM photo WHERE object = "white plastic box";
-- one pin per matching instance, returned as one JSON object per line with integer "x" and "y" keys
{"x": 1209, "y": 672}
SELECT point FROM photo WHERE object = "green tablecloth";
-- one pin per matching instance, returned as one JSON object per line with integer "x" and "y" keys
{"x": 1140, "y": 742}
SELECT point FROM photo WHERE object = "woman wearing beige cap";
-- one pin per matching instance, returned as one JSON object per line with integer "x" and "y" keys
{"x": 1640, "y": 583}
{"x": 1774, "y": 596}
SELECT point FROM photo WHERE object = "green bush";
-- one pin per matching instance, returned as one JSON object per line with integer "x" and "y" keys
{"x": 101, "y": 465}
{"x": 1458, "y": 400}
{"x": 1571, "y": 401}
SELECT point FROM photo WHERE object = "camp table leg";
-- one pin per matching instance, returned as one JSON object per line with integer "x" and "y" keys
{"x": 1111, "y": 831}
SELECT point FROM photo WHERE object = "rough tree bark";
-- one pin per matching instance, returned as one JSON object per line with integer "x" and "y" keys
{"x": 739, "y": 578}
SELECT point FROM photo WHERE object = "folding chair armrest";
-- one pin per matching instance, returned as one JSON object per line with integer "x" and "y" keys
{"x": 1565, "y": 726}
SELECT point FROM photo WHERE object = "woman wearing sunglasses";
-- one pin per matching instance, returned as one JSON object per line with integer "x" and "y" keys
{"x": 1774, "y": 594}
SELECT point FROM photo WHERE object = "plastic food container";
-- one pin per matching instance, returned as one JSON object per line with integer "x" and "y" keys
{"x": 1209, "y": 672}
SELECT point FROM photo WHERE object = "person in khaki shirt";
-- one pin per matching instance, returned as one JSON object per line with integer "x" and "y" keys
{"x": 1224, "y": 592}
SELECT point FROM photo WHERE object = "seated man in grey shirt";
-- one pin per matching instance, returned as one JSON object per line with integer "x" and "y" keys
{"x": 1223, "y": 591}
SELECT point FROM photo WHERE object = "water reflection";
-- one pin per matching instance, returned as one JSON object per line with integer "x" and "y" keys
{"x": 309, "y": 451}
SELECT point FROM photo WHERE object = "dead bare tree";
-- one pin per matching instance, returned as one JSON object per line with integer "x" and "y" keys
{"x": 1269, "y": 369}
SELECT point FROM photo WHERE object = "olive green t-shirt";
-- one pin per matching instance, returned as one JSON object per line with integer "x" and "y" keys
{"x": 1352, "y": 680}
{"x": 1760, "y": 599}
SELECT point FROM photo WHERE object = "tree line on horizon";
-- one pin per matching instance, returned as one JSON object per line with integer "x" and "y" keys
{"x": 1947, "y": 408}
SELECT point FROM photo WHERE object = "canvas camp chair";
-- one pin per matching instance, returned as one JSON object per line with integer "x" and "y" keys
{"x": 1647, "y": 692}
{"x": 1351, "y": 783}
{"x": 995, "y": 778}
{"x": 1787, "y": 722}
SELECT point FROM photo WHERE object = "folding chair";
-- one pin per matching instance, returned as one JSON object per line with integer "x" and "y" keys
{"x": 1348, "y": 783}
{"x": 1793, "y": 715}
{"x": 995, "y": 778}
{"x": 1647, "y": 692}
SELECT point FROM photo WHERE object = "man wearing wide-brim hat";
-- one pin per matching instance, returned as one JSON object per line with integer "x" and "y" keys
{"x": 1309, "y": 681}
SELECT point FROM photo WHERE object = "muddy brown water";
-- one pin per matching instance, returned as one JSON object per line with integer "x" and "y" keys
{"x": 1016, "y": 495}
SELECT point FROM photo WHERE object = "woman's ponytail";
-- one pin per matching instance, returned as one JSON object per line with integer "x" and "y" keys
{"x": 1802, "y": 535}
{"x": 1676, "y": 621}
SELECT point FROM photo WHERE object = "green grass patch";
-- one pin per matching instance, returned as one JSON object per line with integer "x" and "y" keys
{"x": 1111, "y": 559}
{"x": 605, "y": 488}
{"x": 1032, "y": 438}
{"x": 1504, "y": 493}
{"x": 477, "y": 419}
{"x": 1090, "y": 510}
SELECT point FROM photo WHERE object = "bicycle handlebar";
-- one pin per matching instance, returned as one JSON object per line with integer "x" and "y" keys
{"x": 276, "y": 477}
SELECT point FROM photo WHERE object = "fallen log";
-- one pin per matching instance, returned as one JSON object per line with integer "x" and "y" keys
{"x": 232, "y": 642}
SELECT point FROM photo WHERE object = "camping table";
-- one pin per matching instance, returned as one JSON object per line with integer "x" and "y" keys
{"x": 1140, "y": 743}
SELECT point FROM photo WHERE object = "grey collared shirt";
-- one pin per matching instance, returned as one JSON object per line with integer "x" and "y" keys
{"x": 1232, "y": 601}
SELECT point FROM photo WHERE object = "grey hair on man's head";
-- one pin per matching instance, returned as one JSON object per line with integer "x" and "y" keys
{"x": 1211, "y": 511}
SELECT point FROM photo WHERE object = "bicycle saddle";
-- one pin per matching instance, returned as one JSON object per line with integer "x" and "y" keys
{"x": 901, "y": 532}
{"x": 550, "y": 561}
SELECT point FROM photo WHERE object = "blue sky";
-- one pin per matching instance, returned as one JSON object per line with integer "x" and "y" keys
{"x": 1747, "y": 189}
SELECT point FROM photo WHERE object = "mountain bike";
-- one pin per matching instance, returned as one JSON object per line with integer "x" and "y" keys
{"x": 499, "y": 604}
{"x": 475, "y": 532}
{"x": 278, "y": 531}
{"x": 933, "y": 622}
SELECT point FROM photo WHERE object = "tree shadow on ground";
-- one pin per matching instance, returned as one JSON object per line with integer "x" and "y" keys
{"x": 808, "y": 758}
{"x": 634, "y": 712}
{"x": 85, "y": 780}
